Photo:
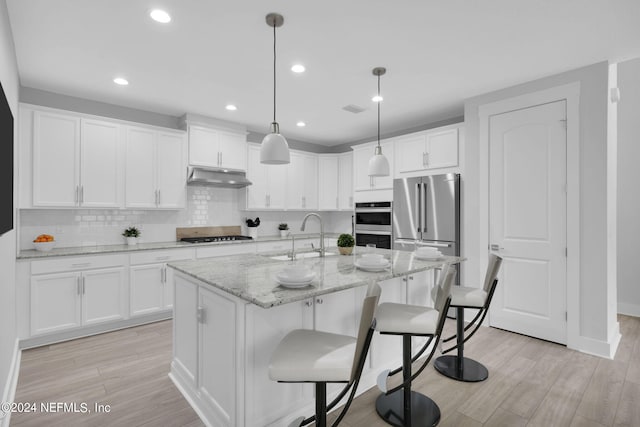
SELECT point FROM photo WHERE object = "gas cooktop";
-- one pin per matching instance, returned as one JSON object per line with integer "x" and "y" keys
{"x": 208, "y": 239}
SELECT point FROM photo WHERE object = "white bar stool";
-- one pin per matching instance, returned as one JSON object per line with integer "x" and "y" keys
{"x": 321, "y": 357}
{"x": 459, "y": 367}
{"x": 401, "y": 406}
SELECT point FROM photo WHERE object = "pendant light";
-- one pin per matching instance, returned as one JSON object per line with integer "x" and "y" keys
{"x": 274, "y": 149}
{"x": 378, "y": 163}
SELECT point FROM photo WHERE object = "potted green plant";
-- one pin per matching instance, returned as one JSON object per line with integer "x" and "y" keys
{"x": 252, "y": 227}
{"x": 345, "y": 244}
{"x": 284, "y": 229}
{"x": 131, "y": 234}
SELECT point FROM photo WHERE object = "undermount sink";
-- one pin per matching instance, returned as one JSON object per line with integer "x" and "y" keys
{"x": 302, "y": 255}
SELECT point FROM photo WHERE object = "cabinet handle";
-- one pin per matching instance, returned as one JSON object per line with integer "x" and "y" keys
{"x": 81, "y": 264}
{"x": 76, "y": 197}
{"x": 164, "y": 275}
{"x": 78, "y": 286}
{"x": 308, "y": 303}
{"x": 319, "y": 300}
{"x": 201, "y": 315}
{"x": 404, "y": 279}
{"x": 83, "y": 287}
{"x": 410, "y": 277}
{"x": 82, "y": 194}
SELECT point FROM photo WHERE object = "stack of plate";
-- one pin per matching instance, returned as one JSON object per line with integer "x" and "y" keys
{"x": 428, "y": 253}
{"x": 295, "y": 276}
{"x": 372, "y": 262}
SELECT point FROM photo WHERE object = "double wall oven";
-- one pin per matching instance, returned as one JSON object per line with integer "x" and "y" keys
{"x": 373, "y": 224}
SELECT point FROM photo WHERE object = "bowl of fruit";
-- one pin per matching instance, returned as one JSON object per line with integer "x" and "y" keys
{"x": 44, "y": 243}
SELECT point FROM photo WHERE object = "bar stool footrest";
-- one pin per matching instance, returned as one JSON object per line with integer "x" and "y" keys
{"x": 471, "y": 371}
{"x": 424, "y": 411}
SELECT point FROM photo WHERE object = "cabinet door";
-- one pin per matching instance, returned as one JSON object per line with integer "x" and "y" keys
{"x": 266, "y": 400}
{"x": 56, "y": 155}
{"x": 328, "y": 183}
{"x": 295, "y": 181}
{"x": 168, "y": 288}
{"x": 412, "y": 153}
{"x": 277, "y": 186}
{"x": 146, "y": 289}
{"x": 55, "y": 302}
{"x": 233, "y": 150}
{"x": 203, "y": 146}
{"x": 172, "y": 171}
{"x": 140, "y": 168}
{"x": 362, "y": 180}
{"x": 386, "y": 350}
{"x": 104, "y": 295}
{"x": 345, "y": 181}
{"x": 257, "y": 174}
{"x": 218, "y": 357}
{"x": 185, "y": 330}
{"x": 310, "y": 190}
{"x": 442, "y": 149}
{"x": 99, "y": 164}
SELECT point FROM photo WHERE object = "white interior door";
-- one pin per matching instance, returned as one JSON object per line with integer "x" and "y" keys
{"x": 527, "y": 219}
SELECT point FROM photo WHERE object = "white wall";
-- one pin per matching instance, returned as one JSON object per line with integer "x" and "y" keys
{"x": 595, "y": 319}
{"x": 11, "y": 84}
{"x": 628, "y": 193}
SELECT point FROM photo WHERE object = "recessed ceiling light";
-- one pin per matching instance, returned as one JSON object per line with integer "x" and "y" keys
{"x": 301, "y": 124}
{"x": 298, "y": 68}
{"x": 231, "y": 107}
{"x": 120, "y": 81}
{"x": 377, "y": 98}
{"x": 159, "y": 15}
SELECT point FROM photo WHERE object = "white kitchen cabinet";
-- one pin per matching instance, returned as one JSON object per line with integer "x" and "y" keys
{"x": 151, "y": 282}
{"x": 72, "y": 299}
{"x": 361, "y": 156}
{"x": 185, "y": 332}
{"x": 386, "y": 350}
{"x": 55, "y": 302}
{"x": 76, "y": 161}
{"x": 345, "y": 181}
{"x": 217, "y": 148}
{"x": 269, "y": 183}
{"x": 302, "y": 182}
{"x": 328, "y": 179}
{"x": 433, "y": 149}
{"x": 155, "y": 169}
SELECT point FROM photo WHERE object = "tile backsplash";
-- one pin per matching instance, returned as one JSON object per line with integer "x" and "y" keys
{"x": 206, "y": 206}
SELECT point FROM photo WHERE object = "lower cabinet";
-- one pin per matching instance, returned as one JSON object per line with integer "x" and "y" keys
{"x": 71, "y": 299}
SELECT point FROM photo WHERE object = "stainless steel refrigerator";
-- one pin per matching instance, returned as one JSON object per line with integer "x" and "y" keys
{"x": 426, "y": 212}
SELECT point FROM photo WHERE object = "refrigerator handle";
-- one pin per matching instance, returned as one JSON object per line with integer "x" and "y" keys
{"x": 418, "y": 204}
{"x": 423, "y": 206}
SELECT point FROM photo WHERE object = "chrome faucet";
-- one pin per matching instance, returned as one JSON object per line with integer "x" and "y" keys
{"x": 292, "y": 254}
{"x": 304, "y": 222}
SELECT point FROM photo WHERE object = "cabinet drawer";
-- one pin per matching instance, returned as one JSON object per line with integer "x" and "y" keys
{"x": 150, "y": 257}
{"x": 77, "y": 263}
{"x": 225, "y": 249}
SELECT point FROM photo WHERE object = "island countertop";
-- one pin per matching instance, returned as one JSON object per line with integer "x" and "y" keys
{"x": 251, "y": 276}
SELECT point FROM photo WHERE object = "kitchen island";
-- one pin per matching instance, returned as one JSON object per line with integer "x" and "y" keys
{"x": 230, "y": 314}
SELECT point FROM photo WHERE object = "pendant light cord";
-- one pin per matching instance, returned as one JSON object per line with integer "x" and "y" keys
{"x": 379, "y": 111}
{"x": 274, "y": 71}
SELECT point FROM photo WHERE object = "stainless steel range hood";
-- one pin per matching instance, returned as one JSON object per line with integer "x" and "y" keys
{"x": 216, "y": 177}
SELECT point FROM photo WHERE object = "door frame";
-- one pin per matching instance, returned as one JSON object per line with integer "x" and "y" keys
{"x": 571, "y": 94}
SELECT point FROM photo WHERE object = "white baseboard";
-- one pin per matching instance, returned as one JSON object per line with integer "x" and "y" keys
{"x": 629, "y": 309}
{"x": 9, "y": 392}
{"x": 606, "y": 349}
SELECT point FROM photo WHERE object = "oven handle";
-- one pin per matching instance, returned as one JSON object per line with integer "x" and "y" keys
{"x": 377, "y": 233}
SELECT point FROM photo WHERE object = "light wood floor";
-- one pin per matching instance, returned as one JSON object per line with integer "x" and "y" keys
{"x": 531, "y": 383}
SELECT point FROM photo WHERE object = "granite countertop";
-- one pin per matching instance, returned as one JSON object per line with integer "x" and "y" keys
{"x": 251, "y": 276}
{"x": 105, "y": 249}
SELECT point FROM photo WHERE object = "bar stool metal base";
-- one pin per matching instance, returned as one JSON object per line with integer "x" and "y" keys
{"x": 424, "y": 411}
{"x": 469, "y": 371}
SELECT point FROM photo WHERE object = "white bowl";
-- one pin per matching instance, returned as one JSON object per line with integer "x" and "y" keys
{"x": 372, "y": 257}
{"x": 44, "y": 246}
{"x": 296, "y": 272}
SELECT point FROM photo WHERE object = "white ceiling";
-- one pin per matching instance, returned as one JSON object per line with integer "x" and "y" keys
{"x": 214, "y": 52}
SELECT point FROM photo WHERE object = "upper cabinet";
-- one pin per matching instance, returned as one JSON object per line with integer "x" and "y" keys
{"x": 75, "y": 161}
{"x": 361, "y": 156}
{"x": 432, "y": 149}
{"x": 302, "y": 181}
{"x": 336, "y": 181}
{"x": 155, "y": 168}
{"x": 217, "y": 148}
{"x": 268, "y": 190}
